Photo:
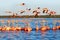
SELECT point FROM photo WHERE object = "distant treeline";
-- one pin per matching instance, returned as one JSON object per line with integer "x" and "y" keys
{"x": 27, "y": 16}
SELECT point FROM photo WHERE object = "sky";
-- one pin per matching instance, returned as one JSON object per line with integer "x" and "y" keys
{"x": 14, "y": 5}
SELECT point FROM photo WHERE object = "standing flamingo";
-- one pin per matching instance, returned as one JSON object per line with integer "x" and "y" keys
{"x": 8, "y": 21}
{"x": 55, "y": 27}
{"x": 2, "y": 22}
{"x": 27, "y": 27}
{"x": 58, "y": 27}
{"x": 44, "y": 28}
{"x": 37, "y": 27}
{"x": 12, "y": 22}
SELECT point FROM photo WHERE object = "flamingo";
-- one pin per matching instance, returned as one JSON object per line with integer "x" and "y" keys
{"x": 22, "y": 4}
{"x": 17, "y": 27}
{"x": 37, "y": 27}
{"x": 21, "y": 11}
{"x": 38, "y": 8}
{"x": 27, "y": 28}
{"x": 35, "y": 13}
{"x": 3, "y": 28}
{"x": 8, "y": 21}
{"x": 2, "y": 22}
{"x": 54, "y": 28}
{"x": 45, "y": 10}
{"x": 16, "y": 22}
{"x": 58, "y": 27}
{"x": 8, "y": 28}
{"x": 12, "y": 22}
{"x": 0, "y": 28}
{"x": 52, "y": 13}
{"x": 8, "y": 12}
{"x": 28, "y": 9}
{"x": 13, "y": 28}
{"x": 44, "y": 28}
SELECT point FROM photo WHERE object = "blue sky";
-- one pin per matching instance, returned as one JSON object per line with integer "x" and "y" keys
{"x": 13, "y": 6}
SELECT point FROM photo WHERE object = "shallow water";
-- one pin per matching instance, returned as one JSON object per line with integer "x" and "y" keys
{"x": 33, "y": 35}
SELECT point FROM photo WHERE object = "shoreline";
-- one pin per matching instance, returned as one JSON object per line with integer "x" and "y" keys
{"x": 27, "y": 16}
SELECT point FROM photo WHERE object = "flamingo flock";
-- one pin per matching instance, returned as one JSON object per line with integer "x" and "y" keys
{"x": 36, "y": 11}
{"x": 29, "y": 29}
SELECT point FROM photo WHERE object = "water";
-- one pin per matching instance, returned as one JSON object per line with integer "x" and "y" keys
{"x": 33, "y": 35}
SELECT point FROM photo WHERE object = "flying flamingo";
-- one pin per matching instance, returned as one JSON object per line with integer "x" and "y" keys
{"x": 36, "y": 13}
{"x": 45, "y": 10}
{"x": 8, "y": 12}
{"x": 52, "y": 13}
{"x": 22, "y": 4}
{"x": 28, "y": 9}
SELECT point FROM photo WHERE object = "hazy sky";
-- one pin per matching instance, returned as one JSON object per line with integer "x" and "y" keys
{"x": 13, "y": 6}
